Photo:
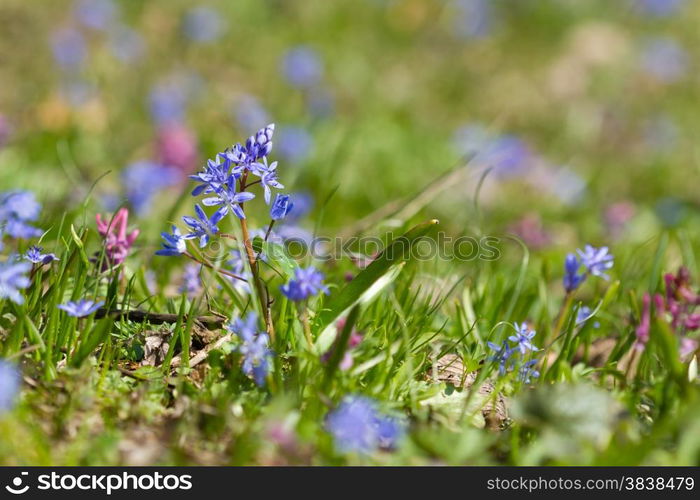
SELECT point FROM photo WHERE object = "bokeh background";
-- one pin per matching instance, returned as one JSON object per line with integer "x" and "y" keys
{"x": 582, "y": 111}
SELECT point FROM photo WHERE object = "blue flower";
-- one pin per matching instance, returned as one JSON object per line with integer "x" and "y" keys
{"x": 9, "y": 385}
{"x": 69, "y": 48}
{"x": 143, "y": 180}
{"x": 596, "y": 260}
{"x": 665, "y": 60}
{"x": 659, "y": 8}
{"x": 302, "y": 67}
{"x": 16, "y": 209}
{"x": 294, "y": 144}
{"x": 229, "y": 198}
{"x": 528, "y": 371}
{"x": 306, "y": 283}
{"x": 167, "y": 103}
{"x": 126, "y": 44}
{"x": 191, "y": 282}
{"x": 357, "y": 426}
{"x": 203, "y": 227}
{"x": 81, "y": 308}
{"x": 217, "y": 173}
{"x": 13, "y": 279}
{"x": 173, "y": 244}
{"x": 202, "y": 25}
{"x": 584, "y": 314}
{"x": 523, "y": 338}
{"x": 269, "y": 180}
{"x": 259, "y": 145}
{"x": 473, "y": 19}
{"x": 572, "y": 279}
{"x": 96, "y": 14}
{"x": 281, "y": 207}
{"x": 250, "y": 113}
{"x": 503, "y": 355}
{"x": 34, "y": 255}
{"x": 253, "y": 347}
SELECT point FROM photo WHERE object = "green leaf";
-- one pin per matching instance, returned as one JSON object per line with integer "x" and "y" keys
{"x": 276, "y": 254}
{"x": 398, "y": 252}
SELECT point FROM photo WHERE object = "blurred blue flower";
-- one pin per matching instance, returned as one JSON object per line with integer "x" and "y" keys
{"x": 167, "y": 103}
{"x": 294, "y": 144}
{"x": 664, "y": 59}
{"x": 572, "y": 279}
{"x": 69, "y": 48}
{"x": 661, "y": 134}
{"x": 281, "y": 207}
{"x": 13, "y": 279}
{"x": 306, "y": 283}
{"x": 17, "y": 208}
{"x": 473, "y": 18}
{"x": 191, "y": 282}
{"x": 596, "y": 260}
{"x": 302, "y": 203}
{"x": 302, "y": 67}
{"x": 659, "y": 8}
{"x": 10, "y": 381}
{"x": 173, "y": 244}
{"x": 35, "y": 256}
{"x": 254, "y": 347}
{"x": 203, "y": 24}
{"x": 523, "y": 338}
{"x": 81, "y": 308}
{"x": 250, "y": 113}
{"x": 357, "y": 426}
{"x": 126, "y": 44}
{"x": 96, "y": 14}
{"x": 203, "y": 227}
{"x": 527, "y": 371}
{"x": 503, "y": 355}
{"x": 584, "y": 314}
{"x": 143, "y": 180}
{"x": 77, "y": 91}
{"x": 506, "y": 155}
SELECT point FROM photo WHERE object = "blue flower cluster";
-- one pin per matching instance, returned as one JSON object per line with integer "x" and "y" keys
{"x": 357, "y": 425}
{"x": 513, "y": 357}
{"x": 223, "y": 183}
{"x": 595, "y": 261}
{"x": 306, "y": 283}
{"x": 253, "y": 347}
{"x": 17, "y": 210}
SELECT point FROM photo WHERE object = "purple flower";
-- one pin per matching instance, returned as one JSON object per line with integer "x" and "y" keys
{"x": 96, "y": 14}
{"x": 34, "y": 255}
{"x": 173, "y": 244}
{"x": 596, "y": 260}
{"x": 358, "y": 426}
{"x": 229, "y": 198}
{"x": 269, "y": 180}
{"x": 202, "y": 24}
{"x": 659, "y": 8}
{"x": 13, "y": 279}
{"x": 281, "y": 207}
{"x": 302, "y": 67}
{"x": 203, "y": 227}
{"x": 116, "y": 239}
{"x": 503, "y": 355}
{"x": 69, "y": 49}
{"x": 473, "y": 19}
{"x": 191, "y": 282}
{"x": 253, "y": 347}
{"x": 523, "y": 338}
{"x": 527, "y": 371}
{"x": 81, "y": 308}
{"x": 10, "y": 382}
{"x": 143, "y": 180}
{"x": 294, "y": 144}
{"x": 16, "y": 209}
{"x": 306, "y": 283}
{"x": 572, "y": 279}
{"x": 664, "y": 59}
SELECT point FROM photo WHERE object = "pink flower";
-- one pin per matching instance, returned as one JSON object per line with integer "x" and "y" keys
{"x": 177, "y": 147}
{"x": 354, "y": 340}
{"x": 117, "y": 241}
{"x": 688, "y": 348}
